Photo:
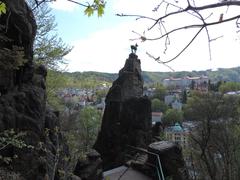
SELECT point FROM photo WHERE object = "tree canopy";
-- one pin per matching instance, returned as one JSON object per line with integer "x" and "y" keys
{"x": 158, "y": 106}
{"x": 49, "y": 49}
{"x": 172, "y": 116}
{"x": 229, "y": 86}
{"x": 160, "y": 91}
{"x": 215, "y": 138}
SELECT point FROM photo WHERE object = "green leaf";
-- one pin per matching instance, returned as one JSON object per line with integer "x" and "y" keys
{"x": 89, "y": 11}
{"x": 2, "y": 8}
{"x": 96, "y": 2}
{"x": 100, "y": 10}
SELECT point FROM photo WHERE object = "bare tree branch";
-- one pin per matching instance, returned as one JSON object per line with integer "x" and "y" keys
{"x": 193, "y": 10}
{"x": 159, "y": 61}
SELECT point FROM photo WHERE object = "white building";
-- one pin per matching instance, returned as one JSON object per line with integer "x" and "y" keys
{"x": 178, "y": 134}
{"x": 199, "y": 82}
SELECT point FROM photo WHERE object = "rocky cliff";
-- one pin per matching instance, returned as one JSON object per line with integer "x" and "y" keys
{"x": 127, "y": 116}
{"x": 23, "y": 101}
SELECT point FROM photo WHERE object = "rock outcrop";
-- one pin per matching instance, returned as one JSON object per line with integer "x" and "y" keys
{"x": 129, "y": 83}
{"x": 23, "y": 101}
{"x": 127, "y": 116}
{"x": 171, "y": 158}
{"x": 90, "y": 168}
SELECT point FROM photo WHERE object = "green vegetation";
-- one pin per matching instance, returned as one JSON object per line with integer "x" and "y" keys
{"x": 151, "y": 78}
{"x": 49, "y": 49}
{"x": 101, "y": 94}
{"x": 215, "y": 142}
{"x": 3, "y": 8}
{"x": 229, "y": 86}
{"x": 82, "y": 130}
{"x": 55, "y": 81}
{"x": 10, "y": 138}
{"x": 158, "y": 106}
{"x": 88, "y": 80}
{"x": 160, "y": 91}
{"x": 98, "y": 5}
{"x": 172, "y": 116}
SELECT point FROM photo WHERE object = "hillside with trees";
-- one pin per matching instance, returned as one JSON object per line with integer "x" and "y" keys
{"x": 222, "y": 74}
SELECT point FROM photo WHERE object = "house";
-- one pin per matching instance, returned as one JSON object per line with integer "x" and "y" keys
{"x": 178, "y": 134}
{"x": 197, "y": 83}
{"x": 156, "y": 117}
{"x": 148, "y": 92}
{"x": 177, "y": 105}
{"x": 169, "y": 99}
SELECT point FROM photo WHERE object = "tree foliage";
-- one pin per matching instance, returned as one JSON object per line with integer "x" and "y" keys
{"x": 215, "y": 140}
{"x": 158, "y": 106}
{"x": 10, "y": 138}
{"x": 82, "y": 130}
{"x": 229, "y": 86}
{"x": 101, "y": 93}
{"x": 160, "y": 91}
{"x": 3, "y": 8}
{"x": 172, "y": 116}
{"x": 49, "y": 49}
{"x": 55, "y": 82}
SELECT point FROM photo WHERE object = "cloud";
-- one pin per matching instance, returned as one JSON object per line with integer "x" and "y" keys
{"x": 106, "y": 50}
{"x": 103, "y": 51}
{"x": 134, "y": 6}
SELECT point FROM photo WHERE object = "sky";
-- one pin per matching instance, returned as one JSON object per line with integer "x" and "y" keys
{"x": 103, "y": 44}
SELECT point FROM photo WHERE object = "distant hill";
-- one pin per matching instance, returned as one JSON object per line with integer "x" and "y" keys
{"x": 222, "y": 74}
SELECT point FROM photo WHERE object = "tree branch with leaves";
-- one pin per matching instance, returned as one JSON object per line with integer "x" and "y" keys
{"x": 90, "y": 7}
{"x": 202, "y": 17}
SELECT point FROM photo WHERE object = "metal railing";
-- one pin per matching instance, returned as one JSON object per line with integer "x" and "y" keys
{"x": 158, "y": 166}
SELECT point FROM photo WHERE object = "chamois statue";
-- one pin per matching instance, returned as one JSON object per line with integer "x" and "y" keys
{"x": 134, "y": 48}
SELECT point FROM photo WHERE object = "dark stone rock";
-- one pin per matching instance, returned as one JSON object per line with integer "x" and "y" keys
{"x": 19, "y": 26}
{"x": 129, "y": 83}
{"x": 23, "y": 102}
{"x": 171, "y": 158}
{"x": 6, "y": 174}
{"x": 127, "y": 116}
{"x": 74, "y": 177}
{"x": 90, "y": 168}
{"x": 135, "y": 122}
{"x": 156, "y": 130}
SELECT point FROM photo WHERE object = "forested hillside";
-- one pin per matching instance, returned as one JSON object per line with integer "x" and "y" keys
{"x": 90, "y": 78}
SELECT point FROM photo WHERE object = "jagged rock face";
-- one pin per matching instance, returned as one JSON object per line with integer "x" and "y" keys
{"x": 127, "y": 116}
{"x": 19, "y": 27}
{"x": 23, "y": 102}
{"x": 129, "y": 83}
{"x": 171, "y": 158}
{"x": 90, "y": 168}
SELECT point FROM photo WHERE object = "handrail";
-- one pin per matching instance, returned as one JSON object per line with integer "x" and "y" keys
{"x": 158, "y": 160}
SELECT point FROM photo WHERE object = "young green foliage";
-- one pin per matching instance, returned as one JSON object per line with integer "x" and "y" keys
{"x": 98, "y": 5}
{"x": 3, "y": 8}
{"x": 11, "y": 138}
{"x": 89, "y": 11}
